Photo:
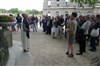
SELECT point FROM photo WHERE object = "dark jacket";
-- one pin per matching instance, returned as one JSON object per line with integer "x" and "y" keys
{"x": 26, "y": 27}
{"x": 81, "y": 36}
{"x": 60, "y": 21}
{"x": 19, "y": 19}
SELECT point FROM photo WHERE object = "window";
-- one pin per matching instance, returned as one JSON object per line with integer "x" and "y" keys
{"x": 57, "y": 13}
{"x": 49, "y": 13}
{"x": 57, "y": 4}
{"x": 66, "y": 12}
{"x": 49, "y": 3}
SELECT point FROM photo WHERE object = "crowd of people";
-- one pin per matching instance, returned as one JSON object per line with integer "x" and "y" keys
{"x": 80, "y": 29}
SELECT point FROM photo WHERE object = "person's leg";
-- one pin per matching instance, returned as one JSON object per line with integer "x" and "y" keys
{"x": 58, "y": 30}
{"x": 80, "y": 48}
{"x": 93, "y": 44}
{"x": 53, "y": 34}
{"x": 98, "y": 41}
{"x": 24, "y": 43}
{"x": 49, "y": 30}
{"x": 20, "y": 25}
{"x": 61, "y": 30}
{"x": 28, "y": 44}
{"x": 84, "y": 44}
{"x": 17, "y": 26}
{"x": 72, "y": 50}
{"x": 68, "y": 50}
{"x": 33, "y": 27}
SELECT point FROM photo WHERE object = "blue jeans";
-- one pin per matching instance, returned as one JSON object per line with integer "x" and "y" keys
{"x": 34, "y": 27}
{"x": 93, "y": 43}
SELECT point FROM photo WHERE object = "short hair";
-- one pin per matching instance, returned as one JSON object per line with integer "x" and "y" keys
{"x": 74, "y": 14}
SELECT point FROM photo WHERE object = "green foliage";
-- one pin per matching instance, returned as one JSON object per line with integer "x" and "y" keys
{"x": 3, "y": 10}
{"x": 13, "y": 10}
{"x": 16, "y": 11}
{"x": 91, "y": 3}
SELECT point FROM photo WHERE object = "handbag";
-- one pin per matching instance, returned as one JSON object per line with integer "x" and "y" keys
{"x": 95, "y": 32}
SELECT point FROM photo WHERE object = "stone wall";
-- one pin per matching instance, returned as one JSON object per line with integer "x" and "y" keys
{"x": 4, "y": 53}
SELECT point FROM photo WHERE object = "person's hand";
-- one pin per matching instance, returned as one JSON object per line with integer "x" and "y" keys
{"x": 67, "y": 29}
{"x": 28, "y": 30}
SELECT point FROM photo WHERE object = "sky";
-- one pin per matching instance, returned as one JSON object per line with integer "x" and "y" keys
{"x": 22, "y": 4}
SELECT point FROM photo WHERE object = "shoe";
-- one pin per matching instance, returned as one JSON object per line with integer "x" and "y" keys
{"x": 92, "y": 50}
{"x": 84, "y": 51}
{"x": 71, "y": 55}
{"x": 78, "y": 53}
{"x": 25, "y": 50}
{"x": 46, "y": 33}
{"x": 67, "y": 53}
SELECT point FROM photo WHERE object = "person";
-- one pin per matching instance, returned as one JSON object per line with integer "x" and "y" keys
{"x": 40, "y": 22}
{"x": 72, "y": 26}
{"x": 44, "y": 22}
{"x": 94, "y": 40}
{"x": 81, "y": 41}
{"x": 34, "y": 23}
{"x": 94, "y": 35}
{"x": 19, "y": 20}
{"x": 54, "y": 28}
{"x": 60, "y": 25}
{"x": 25, "y": 35}
{"x": 49, "y": 25}
{"x": 86, "y": 27}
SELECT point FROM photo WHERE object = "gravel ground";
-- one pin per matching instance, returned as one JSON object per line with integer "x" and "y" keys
{"x": 47, "y": 51}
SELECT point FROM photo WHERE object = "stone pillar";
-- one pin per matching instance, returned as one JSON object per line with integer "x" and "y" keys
{"x": 8, "y": 36}
{"x": 4, "y": 53}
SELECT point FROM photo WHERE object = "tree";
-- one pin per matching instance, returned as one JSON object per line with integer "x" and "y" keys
{"x": 28, "y": 11}
{"x": 32, "y": 11}
{"x": 14, "y": 10}
{"x": 3, "y": 10}
{"x": 81, "y": 3}
{"x": 35, "y": 11}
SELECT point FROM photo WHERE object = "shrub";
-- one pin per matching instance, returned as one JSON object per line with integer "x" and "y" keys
{"x": 6, "y": 18}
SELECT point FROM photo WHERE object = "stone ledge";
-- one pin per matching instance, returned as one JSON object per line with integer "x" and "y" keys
{"x": 17, "y": 57}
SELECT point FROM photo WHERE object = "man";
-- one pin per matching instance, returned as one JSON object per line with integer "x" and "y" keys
{"x": 60, "y": 25}
{"x": 72, "y": 26}
{"x": 19, "y": 20}
{"x": 49, "y": 25}
{"x": 86, "y": 27}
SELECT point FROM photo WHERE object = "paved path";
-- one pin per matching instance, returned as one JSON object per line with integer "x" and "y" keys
{"x": 46, "y": 51}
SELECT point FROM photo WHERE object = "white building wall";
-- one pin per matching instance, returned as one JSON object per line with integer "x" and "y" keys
{"x": 63, "y": 8}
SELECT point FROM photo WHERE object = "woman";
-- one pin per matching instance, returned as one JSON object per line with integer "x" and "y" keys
{"x": 25, "y": 33}
{"x": 54, "y": 28}
{"x": 72, "y": 26}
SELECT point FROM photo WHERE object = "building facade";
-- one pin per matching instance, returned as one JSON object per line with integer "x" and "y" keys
{"x": 62, "y": 7}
